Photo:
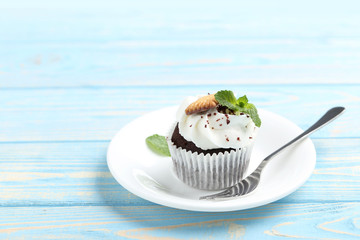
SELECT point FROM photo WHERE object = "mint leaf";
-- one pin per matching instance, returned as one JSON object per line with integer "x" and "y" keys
{"x": 251, "y": 110}
{"x": 227, "y": 98}
{"x": 242, "y": 101}
{"x": 158, "y": 144}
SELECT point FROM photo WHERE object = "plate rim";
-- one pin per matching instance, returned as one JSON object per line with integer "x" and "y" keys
{"x": 189, "y": 207}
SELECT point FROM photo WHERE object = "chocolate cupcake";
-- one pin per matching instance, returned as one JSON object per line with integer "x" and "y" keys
{"x": 211, "y": 142}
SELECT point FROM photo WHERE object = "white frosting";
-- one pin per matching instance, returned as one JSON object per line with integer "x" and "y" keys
{"x": 212, "y": 129}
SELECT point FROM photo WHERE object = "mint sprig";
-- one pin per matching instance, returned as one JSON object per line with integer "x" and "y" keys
{"x": 227, "y": 98}
{"x": 158, "y": 144}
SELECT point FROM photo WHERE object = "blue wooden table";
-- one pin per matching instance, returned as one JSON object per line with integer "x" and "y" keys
{"x": 72, "y": 73}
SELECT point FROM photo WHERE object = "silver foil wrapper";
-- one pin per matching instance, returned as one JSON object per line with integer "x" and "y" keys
{"x": 210, "y": 172}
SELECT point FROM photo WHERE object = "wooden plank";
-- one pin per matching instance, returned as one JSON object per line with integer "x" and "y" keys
{"x": 224, "y": 61}
{"x": 59, "y": 114}
{"x": 100, "y": 45}
{"x": 273, "y": 221}
{"x": 75, "y": 173}
{"x": 176, "y": 21}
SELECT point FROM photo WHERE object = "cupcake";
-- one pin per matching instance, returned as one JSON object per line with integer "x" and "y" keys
{"x": 211, "y": 142}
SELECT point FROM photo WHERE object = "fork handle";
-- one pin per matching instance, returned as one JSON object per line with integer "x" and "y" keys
{"x": 328, "y": 117}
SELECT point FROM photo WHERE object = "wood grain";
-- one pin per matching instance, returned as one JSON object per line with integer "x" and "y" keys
{"x": 302, "y": 221}
{"x": 72, "y": 73}
{"x": 185, "y": 43}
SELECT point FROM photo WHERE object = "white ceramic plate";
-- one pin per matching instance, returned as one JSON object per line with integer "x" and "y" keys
{"x": 151, "y": 176}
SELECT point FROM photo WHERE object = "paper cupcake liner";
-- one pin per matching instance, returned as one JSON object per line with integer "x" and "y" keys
{"x": 210, "y": 172}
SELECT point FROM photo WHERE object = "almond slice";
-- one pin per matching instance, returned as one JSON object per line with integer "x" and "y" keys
{"x": 202, "y": 104}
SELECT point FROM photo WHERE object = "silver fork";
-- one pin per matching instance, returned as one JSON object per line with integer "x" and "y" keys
{"x": 248, "y": 184}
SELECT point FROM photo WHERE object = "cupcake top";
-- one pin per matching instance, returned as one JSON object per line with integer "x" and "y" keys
{"x": 215, "y": 121}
